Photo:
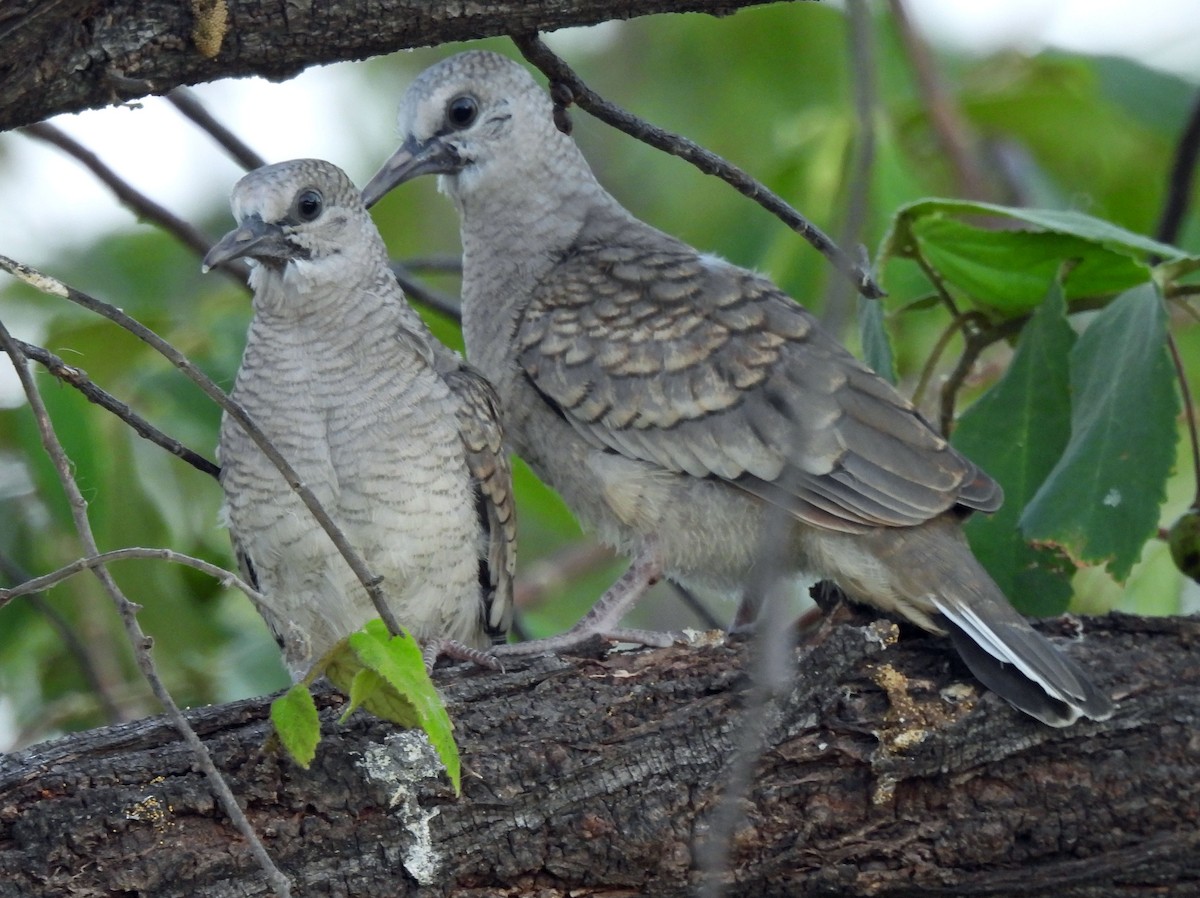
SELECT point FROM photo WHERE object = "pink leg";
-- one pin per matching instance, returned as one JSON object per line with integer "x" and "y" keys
{"x": 452, "y": 648}
{"x": 602, "y": 620}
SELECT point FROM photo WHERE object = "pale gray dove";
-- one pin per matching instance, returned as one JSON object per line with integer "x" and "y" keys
{"x": 398, "y": 439}
{"x": 685, "y": 408}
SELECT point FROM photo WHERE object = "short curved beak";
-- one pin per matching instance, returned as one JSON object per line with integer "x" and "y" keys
{"x": 254, "y": 239}
{"x": 413, "y": 159}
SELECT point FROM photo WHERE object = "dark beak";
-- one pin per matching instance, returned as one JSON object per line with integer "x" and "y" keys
{"x": 254, "y": 239}
{"x": 434, "y": 157}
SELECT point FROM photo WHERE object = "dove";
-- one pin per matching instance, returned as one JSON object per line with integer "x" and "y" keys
{"x": 398, "y": 438}
{"x": 687, "y": 409}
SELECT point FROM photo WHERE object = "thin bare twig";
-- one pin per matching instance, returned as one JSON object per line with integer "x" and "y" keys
{"x": 935, "y": 355}
{"x": 1179, "y": 194}
{"x": 224, "y": 577}
{"x": 559, "y": 73}
{"x": 696, "y": 605}
{"x": 128, "y": 613}
{"x": 75, "y": 646}
{"x": 138, "y": 202}
{"x": 952, "y": 131}
{"x": 370, "y": 581}
{"x": 1189, "y": 412}
{"x": 440, "y": 263}
{"x": 862, "y": 71}
{"x": 187, "y": 103}
{"x": 77, "y": 378}
{"x": 414, "y": 289}
{"x": 1179, "y": 181}
{"x": 976, "y": 341}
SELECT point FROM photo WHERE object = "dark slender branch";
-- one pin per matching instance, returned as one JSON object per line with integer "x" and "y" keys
{"x": 187, "y": 103}
{"x": 416, "y": 290}
{"x": 862, "y": 76}
{"x": 370, "y": 581}
{"x": 1179, "y": 181}
{"x": 1189, "y": 412}
{"x": 935, "y": 355}
{"x": 77, "y": 378}
{"x": 559, "y": 73}
{"x": 128, "y": 613}
{"x": 976, "y": 341}
{"x": 693, "y": 603}
{"x": 436, "y": 264}
{"x": 1179, "y": 194}
{"x": 31, "y": 585}
{"x": 862, "y": 69}
{"x": 138, "y": 202}
{"x": 1183, "y": 292}
{"x": 75, "y": 646}
{"x": 952, "y": 131}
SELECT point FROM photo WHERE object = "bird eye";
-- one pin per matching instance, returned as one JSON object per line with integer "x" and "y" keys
{"x": 309, "y": 205}
{"x": 461, "y": 112}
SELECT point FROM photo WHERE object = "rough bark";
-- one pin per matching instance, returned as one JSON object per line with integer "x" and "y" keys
{"x": 78, "y": 54}
{"x": 884, "y": 773}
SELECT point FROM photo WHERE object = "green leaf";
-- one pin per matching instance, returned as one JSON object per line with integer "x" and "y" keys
{"x": 1010, "y": 271}
{"x": 877, "y": 349}
{"x": 1095, "y": 230}
{"x": 294, "y": 715}
{"x": 399, "y": 661}
{"x": 1101, "y": 501}
{"x": 1016, "y": 432}
{"x": 364, "y": 687}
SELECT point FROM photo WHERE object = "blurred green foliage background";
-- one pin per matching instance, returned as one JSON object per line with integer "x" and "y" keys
{"x": 769, "y": 89}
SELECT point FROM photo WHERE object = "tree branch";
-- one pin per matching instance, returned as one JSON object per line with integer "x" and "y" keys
{"x": 187, "y": 103}
{"x": 886, "y": 773}
{"x": 79, "y": 54}
{"x": 224, "y": 577}
{"x": 141, "y": 205}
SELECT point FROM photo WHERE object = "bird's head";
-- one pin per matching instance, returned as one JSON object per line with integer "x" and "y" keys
{"x": 479, "y": 120}
{"x": 300, "y": 222}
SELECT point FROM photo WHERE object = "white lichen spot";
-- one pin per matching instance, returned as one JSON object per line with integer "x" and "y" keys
{"x": 36, "y": 279}
{"x": 1112, "y": 498}
{"x": 400, "y": 764}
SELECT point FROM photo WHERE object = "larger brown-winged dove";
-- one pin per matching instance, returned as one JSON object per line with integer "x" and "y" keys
{"x": 684, "y": 407}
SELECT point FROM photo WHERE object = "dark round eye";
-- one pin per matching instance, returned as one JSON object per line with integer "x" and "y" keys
{"x": 461, "y": 112}
{"x": 309, "y": 205}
